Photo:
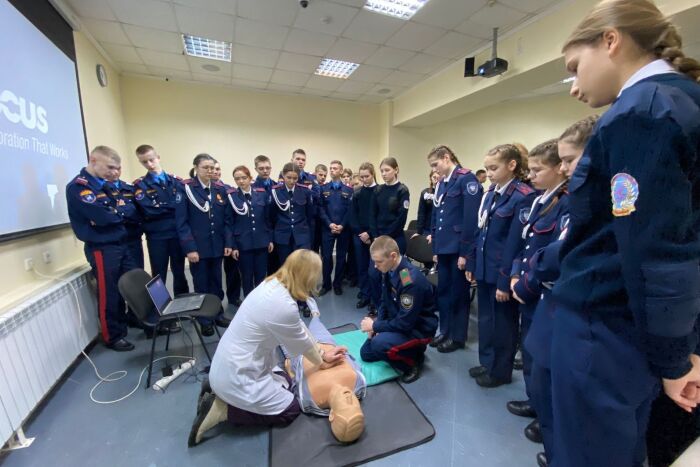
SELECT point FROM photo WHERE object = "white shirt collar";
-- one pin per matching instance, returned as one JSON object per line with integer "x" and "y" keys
{"x": 447, "y": 179}
{"x": 503, "y": 189}
{"x": 395, "y": 182}
{"x": 657, "y": 67}
{"x": 249, "y": 192}
{"x": 371, "y": 186}
{"x": 202, "y": 183}
{"x": 287, "y": 188}
{"x": 548, "y": 194}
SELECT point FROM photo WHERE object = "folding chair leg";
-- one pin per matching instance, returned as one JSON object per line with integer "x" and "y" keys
{"x": 216, "y": 328}
{"x": 167, "y": 340}
{"x": 201, "y": 339}
{"x": 150, "y": 363}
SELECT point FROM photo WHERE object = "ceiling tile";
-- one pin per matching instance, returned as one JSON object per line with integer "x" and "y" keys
{"x": 355, "y": 3}
{"x": 297, "y": 62}
{"x": 197, "y": 63}
{"x": 372, "y": 27}
{"x": 106, "y": 31}
{"x": 284, "y": 88}
{"x": 211, "y": 78}
{"x": 164, "y": 60}
{"x": 148, "y": 13}
{"x": 473, "y": 29}
{"x": 374, "y": 99}
{"x": 154, "y": 39}
{"x": 354, "y": 87}
{"x": 528, "y": 6}
{"x": 170, "y": 73}
{"x": 497, "y": 16}
{"x": 280, "y": 12}
{"x": 254, "y": 56}
{"x": 290, "y": 78}
{"x": 403, "y": 78}
{"x": 370, "y": 74}
{"x": 351, "y": 51}
{"x": 323, "y": 82}
{"x": 345, "y": 96}
{"x": 454, "y": 45}
{"x": 424, "y": 63}
{"x": 254, "y": 73}
{"x": 312, "y": 19}
{"x": 249, "y": 83}
{"x": 389, "y": 57}
{"x": 309, "y": 43}
{"x": 393, "y": 90}
{"x": 414, "y": 36}
{"x": 260, "y": 34}
{"x": 203, "y": 23}
{"x": 98, "y": 9}
{"x": 315, "y": 92}
{"x": 133, "y": 68}
{"x": 122, "y": 53}
{"x": 448, "y": 14}
{"x": 220, "y": 6}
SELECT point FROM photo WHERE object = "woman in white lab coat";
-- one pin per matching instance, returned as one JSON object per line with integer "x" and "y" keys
{"x": 249, "y": 386}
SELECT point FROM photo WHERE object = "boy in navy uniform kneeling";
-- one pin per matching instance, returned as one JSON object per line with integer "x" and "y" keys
{"x": 406, "y": 322}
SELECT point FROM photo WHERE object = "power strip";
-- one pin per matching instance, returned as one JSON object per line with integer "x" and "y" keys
{"x": 163, "y": 383}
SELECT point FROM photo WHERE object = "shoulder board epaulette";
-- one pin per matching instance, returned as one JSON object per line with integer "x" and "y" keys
{"x": 405, "y": 276}
{"x": 463, "y": 171}
{"x": 524, "y": 188}
{"x": 127, "y": 185}
{"x": 279, "y": 185}
{"x": 187, "y": 181}
{"x": 492, "y": 187}
{"x": 176, "y": 177}
{"x": 137, "y": 181}
{"x": 231, "y": 190}
{"x": 261, "y": 190}
{"x": 80, "y": 180}
{"x": 303, "y": 186}
{"x": 219, "y": 183}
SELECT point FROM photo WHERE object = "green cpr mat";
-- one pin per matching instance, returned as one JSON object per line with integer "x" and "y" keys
{"x": 375, "y": 372}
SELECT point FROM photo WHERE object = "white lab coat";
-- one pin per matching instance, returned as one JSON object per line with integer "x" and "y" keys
{"x": 242, "y": 368}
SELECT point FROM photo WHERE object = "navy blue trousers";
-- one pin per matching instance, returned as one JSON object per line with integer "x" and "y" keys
{"x": 526, "y": 314}
{"x": 400, "y": 351}
{"x": 452, "y": 299}
{"x": 498, "y": 332}
{"x": 341, "y": 242}
{"x": 233, "y": 279}
{"x": 283, "y": 251}
{"x": 134, "y": 248}
{"x": 362, "y": 260}
{"x": 602, "y": 390}
{"x": 206, "y": 275}
{"x": 108, "y": 263}
{"x": 253, "y": 266}
{"x": 162, "y": 252}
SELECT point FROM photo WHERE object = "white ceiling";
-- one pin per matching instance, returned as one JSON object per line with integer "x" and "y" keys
{"x": 277, "y": 45}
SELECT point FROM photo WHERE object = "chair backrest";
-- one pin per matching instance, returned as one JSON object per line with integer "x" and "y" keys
{"x": 419, "y": 249}
{"x": 132, "y": 286}
{"x": 413, "y": 225}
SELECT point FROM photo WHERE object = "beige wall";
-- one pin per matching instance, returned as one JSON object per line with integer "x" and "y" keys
{"x": 104, "y": 125}
{"x": 182, "y": 120}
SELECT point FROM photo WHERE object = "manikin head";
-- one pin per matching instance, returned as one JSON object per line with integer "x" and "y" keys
{"x": 346, "y": 417}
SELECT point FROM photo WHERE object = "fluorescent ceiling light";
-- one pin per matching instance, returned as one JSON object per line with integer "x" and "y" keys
{"x": 207, "y": 48}
{"x": 568, "y": 80}
{"x": 403, "y": 9}
{"x": 335, "y": 68}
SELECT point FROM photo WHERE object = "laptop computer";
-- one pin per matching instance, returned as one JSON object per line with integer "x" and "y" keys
{"x": 165, "y": 304}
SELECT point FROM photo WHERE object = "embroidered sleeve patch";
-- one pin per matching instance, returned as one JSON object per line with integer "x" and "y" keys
{"x": 139, "y": 194}
{"x": 87, "y": 196}
{"x": 407, "y": 301}
{"x": 406, "y": 204}
{"x": 472, "y": 188}
{"x": 625, "y": 191}
{"x": 405, "y": 277}
{"x": 524, "y": 215}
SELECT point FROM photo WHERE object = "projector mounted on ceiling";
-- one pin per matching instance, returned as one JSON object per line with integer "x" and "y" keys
{"x": 493, "y": 67}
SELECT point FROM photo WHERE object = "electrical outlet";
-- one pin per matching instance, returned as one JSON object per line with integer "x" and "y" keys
{"x": 28, "y": 264}
{"x": 46, "y": 255}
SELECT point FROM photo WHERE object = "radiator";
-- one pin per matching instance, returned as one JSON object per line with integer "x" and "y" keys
{"x": 39, "y": 340}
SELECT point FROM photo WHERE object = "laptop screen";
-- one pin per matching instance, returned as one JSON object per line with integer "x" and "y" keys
{"x": 159, "y": 293}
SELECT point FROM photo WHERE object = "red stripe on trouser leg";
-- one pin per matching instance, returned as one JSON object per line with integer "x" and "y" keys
{"x": 101, "y": 294}
{"x": 393, "y": 353}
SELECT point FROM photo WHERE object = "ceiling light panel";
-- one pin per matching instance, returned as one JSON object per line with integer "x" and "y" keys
{"x": 336, "y": 68}
{"x": 403, "y": 9}
{"x": 207, "y": 48}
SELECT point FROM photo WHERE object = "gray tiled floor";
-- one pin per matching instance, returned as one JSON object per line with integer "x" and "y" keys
{"x": 150, "y": 429}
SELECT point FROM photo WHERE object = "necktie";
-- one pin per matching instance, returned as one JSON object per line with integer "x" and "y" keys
{"x": 495, "y": 199}
{"x": 247, "y": 197}
{"x": 290, "y": 193}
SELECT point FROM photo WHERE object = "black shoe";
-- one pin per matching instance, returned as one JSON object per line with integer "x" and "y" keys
{"x": 521, "y": 409}
{"x": 541, "y": 459}
{"x": 477, "y": 371}
{"x": 324, "y": 291}
{"x": 120, "y": 345}
{"x": 338, "y": 290}
{"x": 237, "y": 302}
{"x": 162, "y": 331}
{"x": 372, "y": 311}
{"x": 207, "y": 330}
{"x": 305, "y": 310}
{"x": 359, "y": 295}
{"x": 222, "y": 322}
{"x": 448, "y": 345}
{"x": 353, "y": 283}
{"x": 411, "y": 375}
{"x": 533, "y": 432}
{"x": 437, "y": 340}
{"x": 518, "y": 364}
{"x": 486, "y": 381}
{"x": 362, "y": 303}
